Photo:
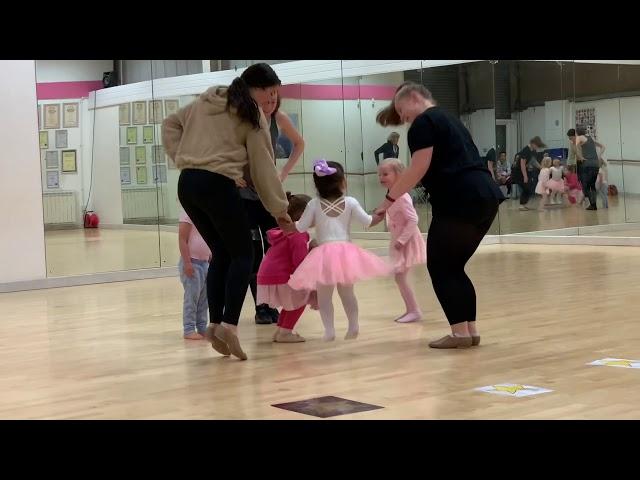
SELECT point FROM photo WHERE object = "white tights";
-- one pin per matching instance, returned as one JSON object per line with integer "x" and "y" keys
{"x": 349, "y": 303}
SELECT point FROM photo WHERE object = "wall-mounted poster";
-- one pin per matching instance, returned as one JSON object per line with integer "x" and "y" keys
{"x": 586, "y": 118}
{"x": 139, "y": 113}
{"x": 52, "y": 116}
{"x": 53, "y": 179}
{"x": 44, "y": 140}
{"x": 124, "y": 155}
{"x": 171, "y": 107}
{"x": 155, "y": 111}
{"x": 125, "y": 113}
{"x": 159, "y": 173}
{"x": 69, "y": 161}
{"x": 132, "y": 135}
{"x": 70, "y": 117}
{"x": 62, "y": 139}
{"x": 39, "y": 116}
{"x": 141, "y": 155}
{"x": 125, "y": 176}
{"x": 158, "y": 154}
{"x": 51, "y": 159}
{"x": 141, "y": 175}
{"x": 147, "y": 134}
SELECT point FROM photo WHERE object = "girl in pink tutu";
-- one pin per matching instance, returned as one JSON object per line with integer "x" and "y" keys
{"x": 287, "y": 251}
{"x": 556, "y": 184}
{"x": 336, "y": 262}
{"x": 543, "y": 179}
{"x": 407, "y": 247}
{"x": 574, "y": 187}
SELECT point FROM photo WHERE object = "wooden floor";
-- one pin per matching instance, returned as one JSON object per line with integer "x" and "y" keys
{"x": 114, "y": 351}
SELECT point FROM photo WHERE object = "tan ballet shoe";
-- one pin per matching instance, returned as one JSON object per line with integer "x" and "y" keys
{"x": 217, "y": 344}
{"x": 449, "y": 341}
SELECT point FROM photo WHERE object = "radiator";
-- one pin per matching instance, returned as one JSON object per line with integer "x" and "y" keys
{"x": 61, "y": 208}
{"x": 141, "y": 203}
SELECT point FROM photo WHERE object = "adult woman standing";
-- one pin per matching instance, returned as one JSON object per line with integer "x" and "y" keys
{"x": 211, "y": 141}
{"x": 259, "y": 218}
{"x": 464, "y": 198}
{"x": 390, "y": 149}
{"x": 588, "y": 162}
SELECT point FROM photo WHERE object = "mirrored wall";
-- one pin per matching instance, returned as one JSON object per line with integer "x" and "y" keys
{"x": 109, "y": 159}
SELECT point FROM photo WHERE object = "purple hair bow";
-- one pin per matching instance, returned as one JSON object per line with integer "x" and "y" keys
{"x": 321, "y": 168}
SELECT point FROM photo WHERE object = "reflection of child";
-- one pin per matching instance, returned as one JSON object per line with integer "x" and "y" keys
{"x": 336, "y": 262}
{"x": 280, "y": 261}
{"x": 602, "y": 183}
{"x": 543, "y": 179}
{"x": 193, "y": 267}
{"x": 574, "y": 187}
{"x": 407, "y": 247}
{"x": 555, "y": 184}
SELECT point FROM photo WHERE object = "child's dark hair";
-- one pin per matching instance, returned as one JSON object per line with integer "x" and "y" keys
{"x": 239, "y": 96}
{"x": 330, "y": 186}
{"x": 297, "y": 204}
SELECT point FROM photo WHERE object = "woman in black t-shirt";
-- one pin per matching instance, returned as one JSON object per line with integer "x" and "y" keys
{"x": 525, "y": 170}
{"x": 463, "y": 195}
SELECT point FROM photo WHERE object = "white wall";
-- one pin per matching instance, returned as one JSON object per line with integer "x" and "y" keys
{"x": 482, "y": 127}
{"x": 106, "y": 195}
{"x": 22, "y": 252}
{"x": 48, "y": 71}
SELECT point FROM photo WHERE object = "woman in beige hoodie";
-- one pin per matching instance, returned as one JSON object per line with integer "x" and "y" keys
{"x": 211, "y": 141}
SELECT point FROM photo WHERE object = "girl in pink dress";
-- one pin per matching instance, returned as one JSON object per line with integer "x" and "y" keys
{"x": 280, "y": 261}
{"x": 543, "y": 179}
{"x": 574, "y": 187}
{"x": 556, "y": 184}
{"x": 407, "y": 247}
{"x": 336, "y": 262}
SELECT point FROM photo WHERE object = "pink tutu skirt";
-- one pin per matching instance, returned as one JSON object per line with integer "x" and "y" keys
{"x": 337, "y": 263}
{"x": 284, "y": 296}
{"x": 413, "y": 253}
{"x": 555, "y": 185}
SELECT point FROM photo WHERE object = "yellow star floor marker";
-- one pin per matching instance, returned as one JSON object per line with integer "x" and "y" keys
{"x": 513, "y": 390}
{"x": 617, "y": 362}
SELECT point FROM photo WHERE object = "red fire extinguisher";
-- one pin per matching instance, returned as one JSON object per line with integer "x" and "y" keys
{"x": 91, "y": 219}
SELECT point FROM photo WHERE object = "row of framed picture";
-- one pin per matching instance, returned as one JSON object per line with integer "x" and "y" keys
{"x": 52, "y": 165}
{"x": 136, "y": 113}
{"x": 49, "y": 116}
{"x": 140, "y": 154}
{"x": 158, "y": 172}
{"x": 148, "y": 135}
{"x": 62, "y": 139}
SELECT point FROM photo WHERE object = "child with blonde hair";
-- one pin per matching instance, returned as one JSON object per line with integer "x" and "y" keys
{"x": 407, "y": 247}
{"x": 543, "y": 178}
{"x": 602, "y": 183}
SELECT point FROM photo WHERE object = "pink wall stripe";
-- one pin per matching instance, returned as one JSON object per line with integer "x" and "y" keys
{"x": 62, "y": 90}
{"x": 338, "y": 92}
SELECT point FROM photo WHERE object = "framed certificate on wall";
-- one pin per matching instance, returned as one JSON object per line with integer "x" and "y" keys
{"x": 155, "y": 111}
{"x": 52, "y": 116}
{"x": 70, "y": 117}
{"x": 125, "y": 176}
{"x": 125, "y": 113}
{"x": 139, "y": 113}
{"x": 44, "y": 139}
{"x": 132, "y": 135}
{"x": 53, "y": 179}
{"x": 51, "y": 159}
{"x": 171, "y": 107}
{"x": 69, "y": 161}
{"x": 141, "y": 175}
{"x": 147, "y": 134}
{"x": 62, "y": 139}
{"x": 124, "y": 155}
{"x": 158, "y": 154}
{"x": 141, "y": 155}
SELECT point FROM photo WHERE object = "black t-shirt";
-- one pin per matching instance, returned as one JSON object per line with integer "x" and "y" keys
{"x": 490, "y": 157}
{"x": 458, "y": 175}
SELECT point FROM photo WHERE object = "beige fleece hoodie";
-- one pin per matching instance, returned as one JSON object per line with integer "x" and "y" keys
{"x": 204, "y": 135}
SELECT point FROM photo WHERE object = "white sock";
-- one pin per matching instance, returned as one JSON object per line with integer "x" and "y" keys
{"x": 350, "y": 304}
{"x": 325, "y": 304}
{"x": 410, "y": 317}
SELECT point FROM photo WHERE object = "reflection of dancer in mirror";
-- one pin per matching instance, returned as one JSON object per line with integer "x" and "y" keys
{"x": 524, "y": 171}
{"x": 464, "y": 198}
{"x": 556, "y": 183}
{"x": 211, "y": 140}
{"x": 503, "y": 172}
{"x": 261, "y": 221}
{"x": 407, "y": 248}
{"x": 390, "y": 149}
{"x": 588, "y": 162}
{"x": 336, "y": 263}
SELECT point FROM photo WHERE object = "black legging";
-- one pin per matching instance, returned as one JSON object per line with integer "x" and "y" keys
{"x": 214, "y": 205}
{"x": 451, "y": 242}
{"x": 260, "y": 221}
{"x": 589, "y": 175}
